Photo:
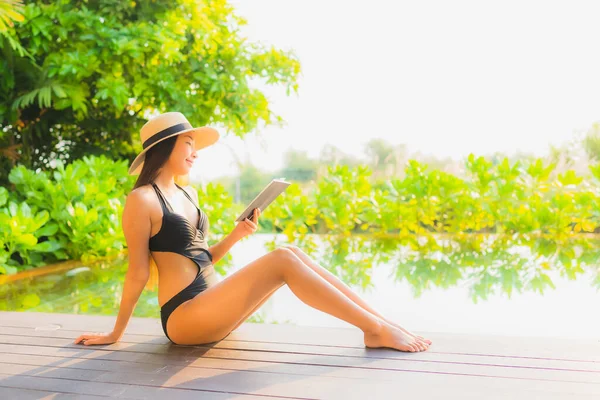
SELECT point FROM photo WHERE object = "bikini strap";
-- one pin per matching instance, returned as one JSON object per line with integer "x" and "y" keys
{"x": 188, "y": 196}
{"x": 161, "y": 197}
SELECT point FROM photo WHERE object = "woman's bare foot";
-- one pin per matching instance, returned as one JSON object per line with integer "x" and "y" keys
{"x": 391, "y": 336}
{"x": 421, "y": 338}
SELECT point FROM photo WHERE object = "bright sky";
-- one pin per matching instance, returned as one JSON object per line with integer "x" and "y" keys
{"x": 445, "y": 78}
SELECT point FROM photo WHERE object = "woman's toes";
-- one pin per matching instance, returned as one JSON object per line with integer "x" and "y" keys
{"x": 416, "y": 344}
{"x": 418, "y": 337}
{"x": 425, "y": 340}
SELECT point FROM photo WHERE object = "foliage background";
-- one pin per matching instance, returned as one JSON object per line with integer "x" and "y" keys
{"x": 80, "y": 78}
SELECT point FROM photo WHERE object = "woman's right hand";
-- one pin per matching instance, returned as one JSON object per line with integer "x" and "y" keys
{"x": 247, "y": 226}
{"x": 97, "y": 338}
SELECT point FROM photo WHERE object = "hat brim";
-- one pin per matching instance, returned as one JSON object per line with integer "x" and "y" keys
{"x": 203, "y": 137}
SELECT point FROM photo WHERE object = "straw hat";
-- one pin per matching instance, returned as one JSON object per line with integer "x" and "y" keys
{"x": 166, "y": 125}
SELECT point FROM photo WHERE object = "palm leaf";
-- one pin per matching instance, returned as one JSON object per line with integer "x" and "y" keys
{"x": 10, "y": 10}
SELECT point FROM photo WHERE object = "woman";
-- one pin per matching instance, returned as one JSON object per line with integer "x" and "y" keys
{"x": 162, "y": 219}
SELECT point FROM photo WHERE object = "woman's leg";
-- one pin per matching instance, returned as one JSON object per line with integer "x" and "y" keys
{"x": 342, "y": 287}
{"x": 245, "y": 317}
{"x": 212, "y": 314}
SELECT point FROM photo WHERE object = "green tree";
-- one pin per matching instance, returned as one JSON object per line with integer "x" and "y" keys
{"x": 333, "y": 155}
{"x": 94, "y": 72}
{"x": 299, "y": 167}
{"x": 384, "y": 157}
{"x": 379, "y": 152}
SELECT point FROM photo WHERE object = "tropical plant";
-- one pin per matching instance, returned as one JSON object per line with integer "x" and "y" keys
{"x": 93, "y": 72}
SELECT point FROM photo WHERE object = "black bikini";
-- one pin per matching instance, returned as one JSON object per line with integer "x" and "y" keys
{"x": 178, "y": 235}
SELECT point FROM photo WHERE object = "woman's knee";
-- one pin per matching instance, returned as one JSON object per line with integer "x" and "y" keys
{"x": 289, "y": 261}
{"x": 290, "y": 247}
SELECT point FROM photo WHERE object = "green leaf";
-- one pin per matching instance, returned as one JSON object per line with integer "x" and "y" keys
{"x": 47, "y": 246}
{"x": 27, "y": 239}
{"x": 48, "y": 229}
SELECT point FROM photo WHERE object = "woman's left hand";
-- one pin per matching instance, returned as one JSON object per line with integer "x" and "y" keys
{"x": 97, "y": 338}
{"x": 246, "y": 227}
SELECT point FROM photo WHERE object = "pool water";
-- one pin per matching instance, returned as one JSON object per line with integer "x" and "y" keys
{"x": 421, "y": 293}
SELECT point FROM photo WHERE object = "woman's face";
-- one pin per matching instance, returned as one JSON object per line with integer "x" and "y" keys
{"x": 183, "y": 155}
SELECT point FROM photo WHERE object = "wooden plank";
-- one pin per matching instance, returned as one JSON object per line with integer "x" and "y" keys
{"x": 78, "y": 321}
{"x": 149, "y": 365}
{"x": 338, "y": 357}
{"x": 278, "y": 360}
{"x": 205, "y": 367}
{"x": 247, "y": 382}
{"x": 428, "y": 356}
{"x": 34, "y": 394}
{"x": 449, "y": 343}
{"x": 22, "y": 384}
{"x": 468, "y": 344}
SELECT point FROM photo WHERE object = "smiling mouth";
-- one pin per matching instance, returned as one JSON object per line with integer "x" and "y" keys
{"x": 189, "y": 162}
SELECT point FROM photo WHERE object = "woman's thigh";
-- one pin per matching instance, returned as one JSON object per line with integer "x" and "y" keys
{"x": 211, "y": 315}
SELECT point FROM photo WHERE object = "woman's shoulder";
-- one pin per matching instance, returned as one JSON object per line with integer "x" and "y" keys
{"x": 141, "y": 190}
{"x": 141, "y": 196}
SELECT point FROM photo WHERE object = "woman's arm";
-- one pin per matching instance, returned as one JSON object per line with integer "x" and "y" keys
{"x": 241, "y": 230}
{"x": 221, "y": 248}
{"x": 136, "y": 227}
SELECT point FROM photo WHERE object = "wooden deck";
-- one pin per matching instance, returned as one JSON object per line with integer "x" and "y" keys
{"x": 39, "y": 360}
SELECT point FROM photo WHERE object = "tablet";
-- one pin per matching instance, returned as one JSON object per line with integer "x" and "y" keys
{"x": 264, "y": 198}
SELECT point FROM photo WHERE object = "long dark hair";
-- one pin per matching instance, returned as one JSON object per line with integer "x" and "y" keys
{"x": 156, "y": 157}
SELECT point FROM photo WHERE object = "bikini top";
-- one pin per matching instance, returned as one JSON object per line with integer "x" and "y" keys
{"x": 178, "y": 235}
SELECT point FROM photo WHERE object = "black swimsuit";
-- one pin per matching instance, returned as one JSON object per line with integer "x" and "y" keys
{"x": 178, "y": 235}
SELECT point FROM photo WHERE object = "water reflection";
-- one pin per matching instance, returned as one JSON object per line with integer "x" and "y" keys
{"x": 485, "y": 264}
{"x": 496, "y": 263}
